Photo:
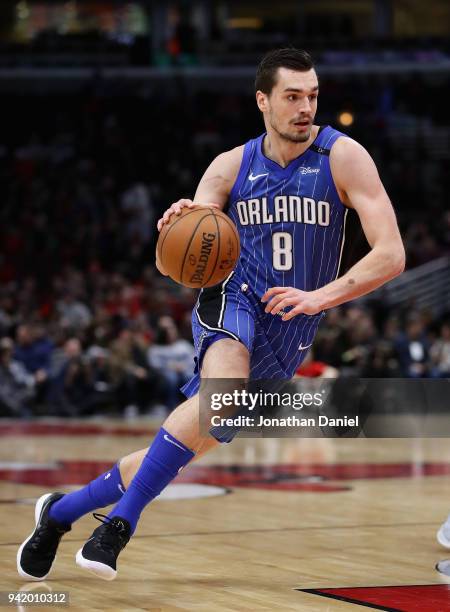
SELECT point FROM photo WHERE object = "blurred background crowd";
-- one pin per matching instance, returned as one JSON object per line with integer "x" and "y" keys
{"x": 88, "y": 164}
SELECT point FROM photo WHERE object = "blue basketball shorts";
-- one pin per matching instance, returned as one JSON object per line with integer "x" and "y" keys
{"x": 232, "y": 310}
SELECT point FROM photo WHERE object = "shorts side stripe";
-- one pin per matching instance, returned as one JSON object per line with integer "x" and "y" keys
{"x": 221, "y": 313}
{"x": 224, "y": 298}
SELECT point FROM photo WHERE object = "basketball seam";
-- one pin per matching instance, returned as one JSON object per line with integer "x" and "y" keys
{"x": 190, "y": 242}
{"x": 172, "y": 226}
{"x": 230, "y": 223}
{"x": 218, "y": 248}
{"x": 236, "y": 235}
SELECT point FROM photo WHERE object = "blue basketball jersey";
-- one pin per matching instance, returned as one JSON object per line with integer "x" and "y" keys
{"x": 290, "y": 220}
{"x": 291, "y": 226}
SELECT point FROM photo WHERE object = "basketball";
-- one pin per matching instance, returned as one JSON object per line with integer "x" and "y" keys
{"x": 199, "y": 248}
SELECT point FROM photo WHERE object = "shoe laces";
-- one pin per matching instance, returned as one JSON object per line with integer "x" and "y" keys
{"x": 113, "y": 535}
{"x": 46, "y": 538}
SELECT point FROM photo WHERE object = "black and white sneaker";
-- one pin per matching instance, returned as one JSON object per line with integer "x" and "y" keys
{"x": 99, "y": 554}
{"x": 36, "y": 555}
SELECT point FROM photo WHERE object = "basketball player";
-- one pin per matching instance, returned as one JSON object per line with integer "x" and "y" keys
{"x": 288, "y": 192}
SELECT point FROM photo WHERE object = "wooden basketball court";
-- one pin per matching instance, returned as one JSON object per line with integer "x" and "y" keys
{"x": 257, "y": 525}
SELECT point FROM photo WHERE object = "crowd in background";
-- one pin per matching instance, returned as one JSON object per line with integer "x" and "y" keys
{"x": 86, "y": 322}
{"x": 131, "y": 352}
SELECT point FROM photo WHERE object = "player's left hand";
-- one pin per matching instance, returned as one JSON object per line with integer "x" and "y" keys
{"x": 302, "y": 302}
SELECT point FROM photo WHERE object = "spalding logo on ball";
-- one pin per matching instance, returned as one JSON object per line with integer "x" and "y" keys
{"x": 199, "y": 248}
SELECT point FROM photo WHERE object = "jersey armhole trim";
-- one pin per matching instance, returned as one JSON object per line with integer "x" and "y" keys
{"x": 344, "y": 223}
{"x": 328, "y": 165}
{"x": 234, "y": 193}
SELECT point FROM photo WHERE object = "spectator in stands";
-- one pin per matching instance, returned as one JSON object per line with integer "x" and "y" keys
{"x": 8, "y": 313}
{"x": 331, "y": 341}
{"x": 440, "y": 353}
{"x": 361, "y": 335}
{"x": 34, "y": 351}
{"x": 73, "y": 312}
{"x": 136, "y": 383}
{"x": 413, "y": 350}
{"x": 382, "y": 361}
{"x": 102, "y": 391}
{"x": 69, "y": 383}
{"x": 138, "y": 211}
{"x": 17, "y": 386}
{"x": 172, "y": 357}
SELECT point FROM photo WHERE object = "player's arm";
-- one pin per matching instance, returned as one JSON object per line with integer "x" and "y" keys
{"x": 214, "y": 187}
{"x": 357, "y": 179}
{"x": 213, "y": 190}
{"x": 360, "y": 187}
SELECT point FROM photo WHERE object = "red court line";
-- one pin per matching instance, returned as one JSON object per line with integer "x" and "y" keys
{"x": 62, "y": 429}
{"x": 407, "y": 598}
{"x": 288, "y": 475}
{"x": 295, "y": 477}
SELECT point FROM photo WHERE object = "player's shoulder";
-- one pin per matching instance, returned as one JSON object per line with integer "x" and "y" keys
{"x": 227, "y": 164}
{"x": 231, "y": 157}
{"x": 348, "y": 156}
{"x": 351, "y": 164}
{"x": 345, "y": 149}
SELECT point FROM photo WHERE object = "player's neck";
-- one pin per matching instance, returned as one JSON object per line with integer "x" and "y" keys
{"x": 283, "y": 151}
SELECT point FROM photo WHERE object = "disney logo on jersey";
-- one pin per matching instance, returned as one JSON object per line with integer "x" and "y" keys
{"x": 308, "y": 170}
{"x": 285, "y": 209}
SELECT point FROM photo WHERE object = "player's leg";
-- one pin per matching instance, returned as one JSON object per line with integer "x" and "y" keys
{"x": 174, "y": 446}
{"x": 55, "y": 512}
{"x": 109, "y": 487}
{"x": 36, "y": 554}
{"x": 130, "y": 464}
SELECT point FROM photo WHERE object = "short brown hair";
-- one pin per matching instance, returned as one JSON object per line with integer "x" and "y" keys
{"x": 294, "y": 59}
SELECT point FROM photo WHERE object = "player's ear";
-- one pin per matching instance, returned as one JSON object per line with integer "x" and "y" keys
{"x": 262, "y": 100}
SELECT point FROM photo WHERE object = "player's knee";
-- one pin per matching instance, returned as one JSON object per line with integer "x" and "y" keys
{"x": 226, "y": 358}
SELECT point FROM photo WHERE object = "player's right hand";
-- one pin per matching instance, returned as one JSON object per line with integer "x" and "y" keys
{"x": 176, "y": 208}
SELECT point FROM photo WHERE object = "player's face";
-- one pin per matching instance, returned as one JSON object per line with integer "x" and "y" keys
{"x": 291, "y": 106}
